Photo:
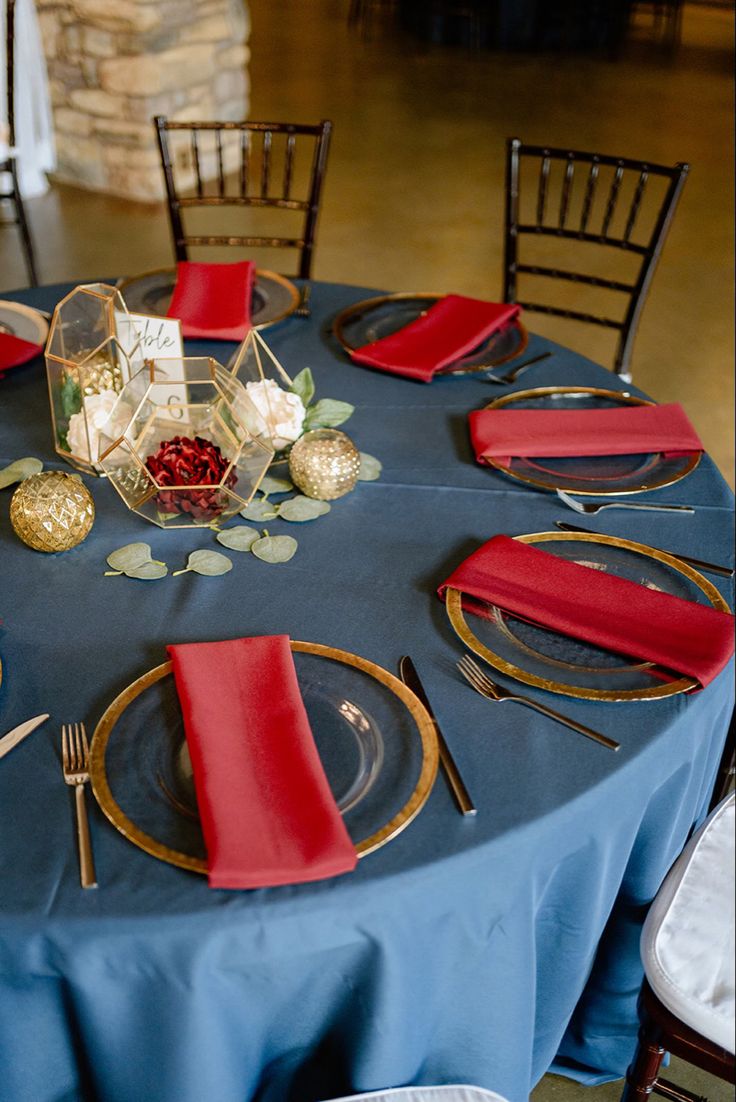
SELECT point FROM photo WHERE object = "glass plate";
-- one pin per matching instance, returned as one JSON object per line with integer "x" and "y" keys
{"x": 591, "y": 475}
{"x": 376, "y": 741}
{"x": 375, "y": 318}
{"x": 23, "y": 322}
{"x": 560, "y": 664}
{"x": 274, "y": 297}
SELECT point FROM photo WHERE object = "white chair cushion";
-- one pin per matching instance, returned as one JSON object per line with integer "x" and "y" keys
{"x": 687, "y": 943}
{"x": 427, "y": 1094}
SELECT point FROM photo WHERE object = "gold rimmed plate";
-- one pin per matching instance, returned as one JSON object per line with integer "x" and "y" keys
{"x": 375, "y": 739}
{"x": 23, "y": 322}
{"x": 560, "y": 664}
{"x": 381, "y": 316}
{"x": 274, "y": 297}
{"x": 592, "y": 475}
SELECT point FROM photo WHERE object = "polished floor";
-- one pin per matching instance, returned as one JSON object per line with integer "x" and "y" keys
{"x": 414, "y": 198}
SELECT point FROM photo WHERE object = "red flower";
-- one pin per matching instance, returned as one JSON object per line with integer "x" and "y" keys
{"x": 198, "y": 463}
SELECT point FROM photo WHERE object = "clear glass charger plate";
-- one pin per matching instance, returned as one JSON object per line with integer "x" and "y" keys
{"x": 548, "y": 660}
{"x": 274, "y": 297}
{"x": 375, "y": 318}
{"x": 23, "y": 322}
{"x": 376, "y": 741}
{"x": 592, "y": 475}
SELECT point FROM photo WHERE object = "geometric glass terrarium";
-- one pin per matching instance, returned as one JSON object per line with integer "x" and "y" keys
{"x": 86, "y": 367}
{"x": 280, "y": 413}
{"x": 177, "y": 447}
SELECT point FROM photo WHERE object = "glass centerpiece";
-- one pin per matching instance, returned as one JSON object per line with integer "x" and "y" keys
{"x": 178, "y": 447}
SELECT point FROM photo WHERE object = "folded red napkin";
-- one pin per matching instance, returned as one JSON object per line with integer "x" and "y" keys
{"x": 14, "y": 351}
{"x": 213, "y": 300}
{"x": 268, "y": 815}
{"x": 600, "y": 608}
{"x": 629, "y": 430}
{"x": 452, "y": 327}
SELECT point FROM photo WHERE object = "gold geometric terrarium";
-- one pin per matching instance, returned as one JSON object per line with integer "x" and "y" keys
{"x": 279, "y": 412}
{"x": 86, "y": 367}
{"x": 177, "y": 447}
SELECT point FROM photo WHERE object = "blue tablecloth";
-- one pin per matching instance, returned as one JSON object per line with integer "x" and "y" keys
{"x": 477, "y": 950}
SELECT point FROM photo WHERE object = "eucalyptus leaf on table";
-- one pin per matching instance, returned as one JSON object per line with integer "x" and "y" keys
{"x": 271, "y": 485}
{"x": 240, "y": 538}
{"x": 18, "y": 470}
{"x": 300, "y": 508}
{"x": 370, "y": 468}
{"x": 274, "y": 549}
{"x": 259, "y": 510}
{"x": 135, "y": 561}
{"x": 209, "y": 563}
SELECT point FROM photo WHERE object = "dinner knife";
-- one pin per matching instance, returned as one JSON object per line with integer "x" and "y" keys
{"x": 11, "y": 740}
{"x": 700, "y": 564}
{"x": 410, "y": 677}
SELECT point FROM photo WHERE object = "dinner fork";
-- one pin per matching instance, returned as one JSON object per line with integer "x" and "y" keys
{"x": 75, "y": 763}
{"x": 482, "y": 684}
{"x": 512, "y": 376}
{"x": 591, "y": 509}
{"x": 304, "y": 310}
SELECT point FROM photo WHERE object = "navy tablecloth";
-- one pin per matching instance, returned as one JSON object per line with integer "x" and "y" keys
{"x": 477, "y": 950}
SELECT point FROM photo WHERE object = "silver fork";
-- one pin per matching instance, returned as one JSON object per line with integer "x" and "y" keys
{"x": 304, "y": 310}
{"x": 512, "y": 376}
{"x": 75, "y": 763}
{"x": 482, "y": 684}
{"x": 591, "y": 509}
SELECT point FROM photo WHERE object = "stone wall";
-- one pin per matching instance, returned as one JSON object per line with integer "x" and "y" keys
{"x": 114, "y": 64}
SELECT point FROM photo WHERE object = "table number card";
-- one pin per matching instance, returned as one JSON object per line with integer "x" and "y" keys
{"x": 150, "y": 337}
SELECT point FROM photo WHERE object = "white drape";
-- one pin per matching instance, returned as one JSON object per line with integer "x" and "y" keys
{"x": 34, "y": 136}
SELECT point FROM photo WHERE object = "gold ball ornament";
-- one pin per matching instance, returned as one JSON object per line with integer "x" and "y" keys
{"x": 324, "y": 463}
{"x": 52, "y": 511}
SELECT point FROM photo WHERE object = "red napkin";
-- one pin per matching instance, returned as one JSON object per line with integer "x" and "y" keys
{"x": 630, "y": 430}
{"x": 213, "y": 300}
{"x": 452, "y": 327}
{"x": 268, "y": 815}
{"x": 600, "y": 608}
{"x": 14, "y": 351}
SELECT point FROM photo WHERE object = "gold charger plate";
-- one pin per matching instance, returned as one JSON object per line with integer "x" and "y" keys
{"x": 154, "y": 800}
{"x": 274, "y": 296}
{"x": 596, "y": 475}
{"x": 548, "y": 660}
{"x": 380, "y": 316}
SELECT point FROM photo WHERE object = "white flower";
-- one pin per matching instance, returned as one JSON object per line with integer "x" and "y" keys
{"x": 82, "y": 437}
{"x": 272, "y": 414}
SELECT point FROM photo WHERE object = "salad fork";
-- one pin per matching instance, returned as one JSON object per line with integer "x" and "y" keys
{"x": 75, "y": 764}
{"x": 513, "y": 375}
{"x": 591, "y": 509}
{"x": 482, "y": 684}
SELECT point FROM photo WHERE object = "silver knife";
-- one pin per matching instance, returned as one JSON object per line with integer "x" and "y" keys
{"x": 410, "y": 677}
{"x": 699, "y": 564}
{"x": 9, "y": 741}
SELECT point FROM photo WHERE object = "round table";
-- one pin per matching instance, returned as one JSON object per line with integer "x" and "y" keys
{"x": 482, "y": 950}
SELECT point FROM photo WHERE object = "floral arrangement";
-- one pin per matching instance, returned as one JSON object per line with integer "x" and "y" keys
{"x": 197, "y": 462}
{"x": 279, "y": 417}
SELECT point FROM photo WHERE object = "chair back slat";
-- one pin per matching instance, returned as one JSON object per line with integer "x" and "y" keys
{"x": 612, "y": 200}
{"x": 641, "y": 238}
{"x": 566, "y": 189}
{"x": 252, "y": 167}
{"x": 590, "y": 185}
{"x": 636, "y": 203}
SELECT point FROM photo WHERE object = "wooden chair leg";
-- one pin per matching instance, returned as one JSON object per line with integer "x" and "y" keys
{"x": 25, "y": 233}
{"x": 643, "y": 1070}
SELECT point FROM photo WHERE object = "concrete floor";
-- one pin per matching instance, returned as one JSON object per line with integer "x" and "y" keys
{"x": 414, "y": 196}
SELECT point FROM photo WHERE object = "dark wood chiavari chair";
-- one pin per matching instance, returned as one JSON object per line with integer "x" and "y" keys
{"x": 8, "y": 162}
{"x": 603, "y": 220}
{"x": 258, "y": 177}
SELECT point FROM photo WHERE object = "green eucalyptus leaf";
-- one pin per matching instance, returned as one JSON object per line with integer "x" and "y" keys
{"x": 18, "y": 470}
{"x": 303, "y": 386}
{"x": 370, "y": 468}
{"x": 239, "y": 538}
{"x": 148, "y": 571}
{"x": 209, "y": 563}
{"x": 327, "y": 413}
{"x": 271, "y": 485}
{"x": 302, "y": 508}
{"x": 259, "y": 510}
{"x": 71, "y": 397}
{"x": 274, "y": 548}
{"x": 130, "y": 557}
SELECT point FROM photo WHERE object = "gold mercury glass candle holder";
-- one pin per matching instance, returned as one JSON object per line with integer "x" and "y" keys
{"x": 86, "y": 368}
{"x": 177, "y": 447}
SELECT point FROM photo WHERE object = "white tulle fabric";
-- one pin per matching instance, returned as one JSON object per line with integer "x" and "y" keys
{"x": 687, "y": 942}
{"x": 34, "y": 135}
{"x": 427, "y": 1094}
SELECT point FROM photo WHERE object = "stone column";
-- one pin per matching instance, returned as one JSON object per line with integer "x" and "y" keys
{"x": 114, "y": 65}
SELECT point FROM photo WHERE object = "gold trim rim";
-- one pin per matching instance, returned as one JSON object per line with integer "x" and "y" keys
{"x": 622, "y": 395}
{"x": 32, "y": 315}
{"x": 368, "y": 303}
{"x": 263, "y": 273}
{"x": 453, "y": 604}
{"x": 395, "y": 825}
